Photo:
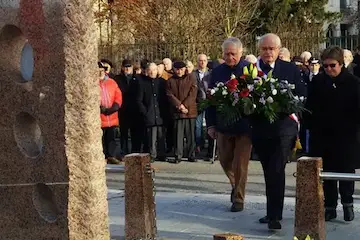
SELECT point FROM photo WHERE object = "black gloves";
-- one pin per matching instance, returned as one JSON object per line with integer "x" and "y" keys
{"x": 108, "y": 111}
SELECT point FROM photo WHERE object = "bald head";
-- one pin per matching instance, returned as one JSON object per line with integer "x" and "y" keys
{"x": 202, "y": 61}
{"x": 269, "y": 46}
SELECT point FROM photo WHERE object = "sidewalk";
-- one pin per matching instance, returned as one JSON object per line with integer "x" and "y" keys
{"x": 200, "y": 216}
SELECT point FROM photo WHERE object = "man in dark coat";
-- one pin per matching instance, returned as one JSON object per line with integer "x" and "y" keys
{"x": 334, "y": 102}
{"x": 128, "y": 113}
{"x": 181, "y": 90}
{"x": 273, "y": 142}
{"x": 234, "y": 142}
{"x": 151, "y": 100}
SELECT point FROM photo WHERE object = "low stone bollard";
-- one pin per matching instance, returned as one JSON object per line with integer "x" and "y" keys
{"x": 309, "y": 212}
{"x": 140, "y": 210}
{"x": 228, "y": 236}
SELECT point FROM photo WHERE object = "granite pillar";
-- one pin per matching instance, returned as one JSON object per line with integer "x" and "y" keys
{"x": 140, "y": 215}
{"x": 52, "y": 169}
{"x": 309, "y": 212}
{"x": 228, "y": 236}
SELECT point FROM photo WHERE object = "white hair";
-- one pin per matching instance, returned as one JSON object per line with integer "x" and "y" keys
{"x": 285, "y": 51}
{"x": 152, "y": 64}
{"x": 167, "y": 60}
{"x": 349, "y": 53}
{"x": 251, "y": 58}
{"x": 232, "y": 41}
{"x": 275, "y": 38}
{"x": 306, "y": 55}
{"x": 201, "y": 55}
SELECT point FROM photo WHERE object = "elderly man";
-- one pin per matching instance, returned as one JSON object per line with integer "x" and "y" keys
{"x": 200, "y": 73}
{"x": 181, "y": 90}
{"x": 284, "y": 54}
{"x": 251, "y": 58}
{"x": 348, "y": 62}
{"x": 234, "y": 142}
{"x": 273, "y": 142}
{"x": 152, "y": 104}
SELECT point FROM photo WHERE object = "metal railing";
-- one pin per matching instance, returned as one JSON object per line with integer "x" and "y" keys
{"x": 339, "y": 176}
{"x": 115, "y": 168}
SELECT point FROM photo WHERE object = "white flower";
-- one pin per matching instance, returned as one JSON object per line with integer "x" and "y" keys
{"x": 285, "y": 81}
{"x": 250, "y": 87}
{"x": 212, "y": 91}
{"x": 254, "y": 106}
{"x": 296, "y": 98}
{"x": 232, "y": 76}
{"x": 216, "y": 89}
{"x": 274, "y": 92}
{"x": 270, "y": 99}
{"x": 283, "y": 91}
{"x": 262, "y": 100}
{"x": 272, "y": 80}
{"x": 224, "y": 92}
{"x": 220, "y": 84}
{"x": 292, "y": 86}
{"x": 302, "y": 98}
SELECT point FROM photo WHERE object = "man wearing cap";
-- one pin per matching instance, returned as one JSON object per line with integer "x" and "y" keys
{"x": 181, "y": 90}
{"x": 128, "y": 113}
{"x": 111, "y": 100}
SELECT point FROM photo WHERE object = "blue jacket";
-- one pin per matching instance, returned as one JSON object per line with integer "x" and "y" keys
{"x": 222, "y": 73}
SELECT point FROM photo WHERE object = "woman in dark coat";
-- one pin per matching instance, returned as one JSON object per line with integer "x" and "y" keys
{"x": 334, "y": 102}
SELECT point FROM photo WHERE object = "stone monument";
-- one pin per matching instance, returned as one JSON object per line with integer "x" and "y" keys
{"x": 309, "y": 212}
{"x": 52, "y": 169}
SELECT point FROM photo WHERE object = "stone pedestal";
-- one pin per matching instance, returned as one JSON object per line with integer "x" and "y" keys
{"x": 140, "y": 215}
{"x": 309, "y": 213}
{"x": 52, "y": 169}
{"x": 228, "y": 236}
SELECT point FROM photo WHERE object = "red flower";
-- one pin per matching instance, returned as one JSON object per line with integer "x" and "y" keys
{"x": 232, "y": 84}
{"x": 260, "y": 73}
{"x": 244, "y": 93}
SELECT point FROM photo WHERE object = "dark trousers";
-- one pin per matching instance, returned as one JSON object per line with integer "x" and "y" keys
{"x": 186, "y": 126}
{"x": 156, "y": 141}
{"x": 111, "y": 142}
{"x": 170, "y": 134}
{"x": 346, "y": 189}
{"x": 137, "y": 135}
{"x": 273, "y": 154}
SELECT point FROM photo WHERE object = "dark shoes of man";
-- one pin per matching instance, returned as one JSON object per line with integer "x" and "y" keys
{"x": 330, "y": 214}
{"x": 272, "y": 224}
{"x": 174, "y": 161}
{"x": 237, "y": 207}
{"x": 112, "y": 160}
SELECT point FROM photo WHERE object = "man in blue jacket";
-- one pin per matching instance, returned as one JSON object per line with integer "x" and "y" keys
{"x": 233, "y": 141}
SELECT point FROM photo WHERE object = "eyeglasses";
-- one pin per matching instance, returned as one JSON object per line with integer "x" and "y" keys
{"x": 268, "y": 48}
{"x": 332, "y": 65}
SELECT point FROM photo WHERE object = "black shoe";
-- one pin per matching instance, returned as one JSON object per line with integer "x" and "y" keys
{"x": 274, "y": 225}
{"x": 330, "y": 214}
{"x": 161, "y": 159}
{"x": 237, "y": 207}
{"x": 175, "y": 161}
{"x": 266, "y": 219}
{"x": 348, "y": 213}
{"x": 192, "y": 159}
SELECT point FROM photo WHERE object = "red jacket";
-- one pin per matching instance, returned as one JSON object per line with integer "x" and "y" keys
{"x": 110, "y": 94}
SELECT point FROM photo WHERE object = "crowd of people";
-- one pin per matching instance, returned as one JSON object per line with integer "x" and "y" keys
{"x": 158, "y": 105}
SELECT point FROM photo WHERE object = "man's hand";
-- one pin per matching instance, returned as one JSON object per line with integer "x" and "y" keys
{"x": 181, "y": 107}
{"x": 212, "y": 132}
{"x": 103, "y": 109}
{"x": 185, "y": 111}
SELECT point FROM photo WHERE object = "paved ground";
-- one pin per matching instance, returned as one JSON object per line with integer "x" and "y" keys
{"x": 193, "y": 202}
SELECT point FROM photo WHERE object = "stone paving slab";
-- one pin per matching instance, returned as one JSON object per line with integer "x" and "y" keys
{"x": 200, "y": 216}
